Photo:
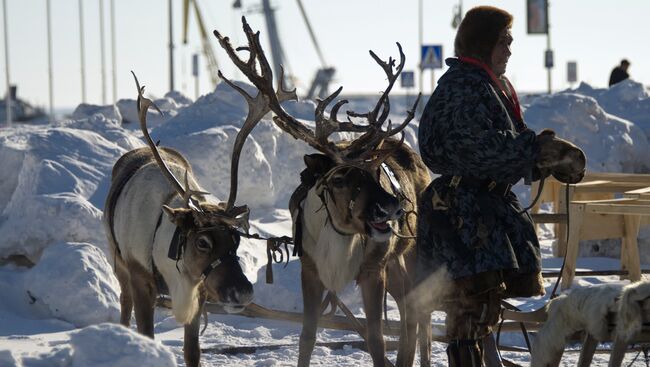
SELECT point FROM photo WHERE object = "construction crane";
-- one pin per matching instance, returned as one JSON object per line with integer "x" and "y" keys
{"x": 206, "y": 46}
{"x": 320, "y": 85}
{"x": 324, "y": 75}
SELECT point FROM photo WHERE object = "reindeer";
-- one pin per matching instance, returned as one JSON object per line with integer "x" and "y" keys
{"x": 353, "y": 198}
{"x": 192, "y": 253}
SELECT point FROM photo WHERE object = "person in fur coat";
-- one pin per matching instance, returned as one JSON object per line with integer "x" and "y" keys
{"x": 470, "y": 223}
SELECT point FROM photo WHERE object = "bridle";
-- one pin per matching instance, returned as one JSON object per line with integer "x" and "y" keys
{"x": 323, "y": 190}
{"x": 179, "y": 242}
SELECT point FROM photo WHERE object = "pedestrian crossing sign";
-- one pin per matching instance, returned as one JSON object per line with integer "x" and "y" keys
{"x": 431, "y": 57}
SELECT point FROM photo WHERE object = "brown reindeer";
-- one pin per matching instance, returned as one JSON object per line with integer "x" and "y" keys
{"x": 192, "y": 253}
{"x": 352, "y": 199}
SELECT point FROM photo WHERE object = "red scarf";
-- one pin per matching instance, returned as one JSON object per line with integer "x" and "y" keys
{"x": 513, "y": 101}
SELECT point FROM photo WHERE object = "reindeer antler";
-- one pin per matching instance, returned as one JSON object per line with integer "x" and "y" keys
{"x": 264, "y": 83}
{"x": 257, "y": 106}
{"x": 318, "y": 139}
{"x": 371, "y": 139}
{"x": 142, "y": 106}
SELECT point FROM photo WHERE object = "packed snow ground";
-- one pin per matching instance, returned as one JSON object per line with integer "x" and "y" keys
{"x": 63, "y": 311}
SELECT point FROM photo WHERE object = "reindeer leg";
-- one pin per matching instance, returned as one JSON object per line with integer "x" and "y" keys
{"x": 126, "y": 299}
{"x": 143, "y": 290}
{"x": 191, "y": 349}
{"x": 312, "y": 294}
{"x": 372, "y": 284}
{"x": 424, "y": 337}
{"x": 399, "y": 285}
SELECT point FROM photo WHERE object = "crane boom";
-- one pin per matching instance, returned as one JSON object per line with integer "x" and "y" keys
{"x": 206, "y": 46}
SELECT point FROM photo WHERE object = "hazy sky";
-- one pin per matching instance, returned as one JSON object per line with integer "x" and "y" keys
{"x": 595, "y": 33}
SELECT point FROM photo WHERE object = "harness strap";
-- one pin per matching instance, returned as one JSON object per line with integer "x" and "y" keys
{"x": 537, "y": 196}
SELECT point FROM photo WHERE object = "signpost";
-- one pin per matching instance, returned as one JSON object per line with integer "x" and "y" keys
{"x": 407, "y": 81}
{"x": 430, "y": 58}
{"x": 572, "y": 72}
{"x": 538, "y": 23}
{"x": 195, "y": 74}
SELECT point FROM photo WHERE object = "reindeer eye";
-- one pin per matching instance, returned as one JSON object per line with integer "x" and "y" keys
{"x": 203, "y": 244}
{"x": 338, "y": 182}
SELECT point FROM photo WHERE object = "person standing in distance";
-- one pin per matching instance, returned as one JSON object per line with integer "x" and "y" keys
{"x": 619, "y": 73}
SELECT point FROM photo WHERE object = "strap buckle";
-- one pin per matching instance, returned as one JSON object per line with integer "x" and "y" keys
{"x": 455, "y": 181}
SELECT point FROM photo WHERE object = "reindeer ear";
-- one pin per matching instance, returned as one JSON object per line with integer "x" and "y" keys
{"x": 181, "y": 217}
{"x": 319, "y": 164}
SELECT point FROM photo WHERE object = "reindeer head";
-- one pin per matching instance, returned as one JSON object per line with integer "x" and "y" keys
{"x": 207, "y": 234}
{"x": 347, "y": 173}
{"x": 355, "y": 201}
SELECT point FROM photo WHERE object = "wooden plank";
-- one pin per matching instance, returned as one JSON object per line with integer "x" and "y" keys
{"x": 598, "y": 186}
{"x": 630, "y": 248}
{"x": 592, "y": 273}
{"x": 638, "y": 192}
{"x": 619, "y": 208}
{"x": 391, "y": 345}
{"x": 575, "y": 224}
{"x": 549, "y": 218}
{"x": 601, "y": 226}
{"x": 618, "y": 176}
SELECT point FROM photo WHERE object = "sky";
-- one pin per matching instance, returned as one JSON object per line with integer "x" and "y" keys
{"x": 596, "y": 34}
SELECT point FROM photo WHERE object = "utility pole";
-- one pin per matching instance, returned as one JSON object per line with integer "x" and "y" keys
{"x": 113, "y": 48}
{"x": 101, "y": 47}
{"x": 49, "y": 58}
{"x": 82, "y": 51}
{"x": 171, "y": 47}
{"x": 420, "y": 79}
{"x": 549, "y": 66}
{"x": 276, "y": 48}
{"x": 8, "y": 97}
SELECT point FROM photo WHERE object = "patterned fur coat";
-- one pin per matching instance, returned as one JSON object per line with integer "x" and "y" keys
{"x": 467, "y": 130}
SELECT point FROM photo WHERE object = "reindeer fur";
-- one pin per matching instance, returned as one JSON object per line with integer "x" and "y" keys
{"x": 135, "y": 240}
{"x": 331, "y": 260}
{"x": 587, "y": 309}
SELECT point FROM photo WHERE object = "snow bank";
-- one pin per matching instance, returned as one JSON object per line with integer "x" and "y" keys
{"x": 628, "y": 100}
{"x": 103, "y": 345}
{"x": 53, "y": 174}
{"x": 115, "y": 345}
{"x": 611, "y": 144}
{"x": 75, "y": 283}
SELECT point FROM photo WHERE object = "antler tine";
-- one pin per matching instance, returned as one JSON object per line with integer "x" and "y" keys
{"x": 392, "y": 77}
{"x": 263, "y": 82}
{"x": 259, "y": 106}
{"x": 409, "y": 116}
{"x": 374, "y": 136}
{"x": 324, "y": 126}
{"x": 142, "y": 106}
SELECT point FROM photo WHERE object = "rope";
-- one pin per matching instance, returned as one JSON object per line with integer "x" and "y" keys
{"x": 539, "y": 194}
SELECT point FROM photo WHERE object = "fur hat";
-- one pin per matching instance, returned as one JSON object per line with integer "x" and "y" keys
{"x": 479, "y": 31}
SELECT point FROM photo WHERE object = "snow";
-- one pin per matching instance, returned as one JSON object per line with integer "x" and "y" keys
{"x": 81, "y": 271}
{"x": 64, "y": 310}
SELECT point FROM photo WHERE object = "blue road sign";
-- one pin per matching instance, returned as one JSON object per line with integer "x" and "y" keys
{"x": 431, "y": 57}
{"x": 407, "y": 79}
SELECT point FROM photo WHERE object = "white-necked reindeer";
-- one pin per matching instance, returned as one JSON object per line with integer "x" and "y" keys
{"x": 161, "y": 230}
{"x": 352, "y": 199}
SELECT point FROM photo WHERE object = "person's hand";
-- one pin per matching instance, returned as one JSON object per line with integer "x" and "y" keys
{"x": 560, "y": 158}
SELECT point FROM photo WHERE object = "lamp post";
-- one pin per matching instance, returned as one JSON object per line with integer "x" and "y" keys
{"x": 49, "y": 58}
{"x": 82, "y": 52}
{"x": 8, "y": 96}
